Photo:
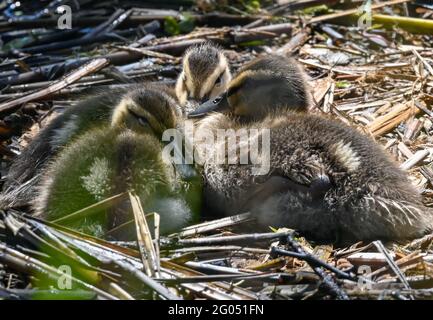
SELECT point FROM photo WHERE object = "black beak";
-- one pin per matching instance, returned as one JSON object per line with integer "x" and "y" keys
{"x": 219, "y": 104}
{"x": 198, "y": 101}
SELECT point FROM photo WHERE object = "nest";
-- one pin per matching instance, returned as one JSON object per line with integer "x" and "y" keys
{"x": 377, "y": 79}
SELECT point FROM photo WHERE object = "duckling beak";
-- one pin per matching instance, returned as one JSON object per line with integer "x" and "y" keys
{"x": 219, "y": 104}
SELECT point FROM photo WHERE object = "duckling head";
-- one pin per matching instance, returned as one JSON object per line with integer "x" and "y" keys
{"x": 150, "y": 109}
{"x": 254, "y": 94}
{"x": 205, "y": 74}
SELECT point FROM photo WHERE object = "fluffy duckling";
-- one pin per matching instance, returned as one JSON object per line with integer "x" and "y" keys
{"x": 272, "y": 82}
{"x": 205, "y": 74}
{"x": 124, "y": 156}
{"x": 326, "y": 179}
{"x": 25, "y": 171}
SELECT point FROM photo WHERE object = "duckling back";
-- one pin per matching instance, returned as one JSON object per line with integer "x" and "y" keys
{"x": 368, "y": 196}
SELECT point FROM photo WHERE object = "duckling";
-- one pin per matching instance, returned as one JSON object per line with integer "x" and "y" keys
{"x": 25, "y": 171}
{"x": 325, "y": 179}
{"x": 124, "y": 156}
{"x": 205, "y": 74}
{"x": 278, "y": 81}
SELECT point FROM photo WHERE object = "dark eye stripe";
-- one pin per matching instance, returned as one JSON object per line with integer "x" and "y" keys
{"x": 219, "y": 79}
{"x": 142, "y": 119}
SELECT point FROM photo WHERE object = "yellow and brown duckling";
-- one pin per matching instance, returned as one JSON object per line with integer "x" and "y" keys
{"x": 125, "y": 156}
{"x": 26, "y": 169}
{"x": 205, "y": 74}
{"x": 326, "y": 179}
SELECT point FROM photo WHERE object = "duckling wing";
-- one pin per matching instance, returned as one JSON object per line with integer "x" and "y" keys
{"x": 280, "y": 184}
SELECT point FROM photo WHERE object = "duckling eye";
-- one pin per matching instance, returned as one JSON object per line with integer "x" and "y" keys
{"x": 141, "y": 120}
{"x": 216, "y": 100}
{"x": 219, "y": 80}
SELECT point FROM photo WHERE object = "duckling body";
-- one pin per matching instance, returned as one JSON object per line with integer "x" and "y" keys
{"x": 326, "y": 179}
{"x": 205, "y": 75}
{"x": 25, "y": 171}
{"x": 106, "y": 162}
{"x": 364, "y": 195}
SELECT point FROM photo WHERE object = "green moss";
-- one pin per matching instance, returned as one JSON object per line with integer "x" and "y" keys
{"x": 174, "y": 27}
{"x": 171, "y": 26}
{"x": 342, "y": 84}
{"x": 254, "y": 43}
{"x": 316, "y": 10}
{"x": 186, "y": 23}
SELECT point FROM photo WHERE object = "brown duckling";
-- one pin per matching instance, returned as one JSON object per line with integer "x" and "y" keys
{"x": 273, "y": 82}
{"x": 326, "y": 179}
{"x": 205, "y": 74}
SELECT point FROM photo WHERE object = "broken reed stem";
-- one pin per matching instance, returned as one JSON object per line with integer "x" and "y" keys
{"x": 212, "y": 225}
{"x": 233, "y": 239}
{"x": 394, "y": 267}
{"x": 144, "y": 237}
{"x": 415, "y": 159}
{"x": 392, "y": 119}
{"x": 269, "y": 277}
{"x": 149, "y": 282}
{"x": 92, "y": 209}
{"x": 220, "y": 248}
{"x": 150, "y": 53}
{"x": 213, "y": 268}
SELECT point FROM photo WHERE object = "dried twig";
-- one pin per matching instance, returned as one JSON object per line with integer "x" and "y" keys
{"x": 92, "y": 67}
